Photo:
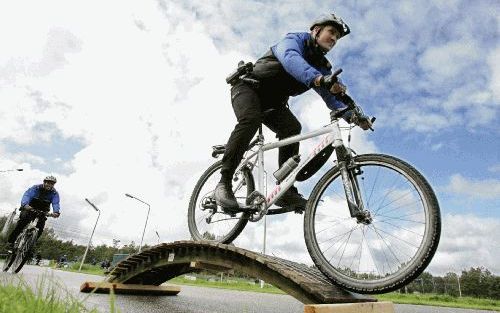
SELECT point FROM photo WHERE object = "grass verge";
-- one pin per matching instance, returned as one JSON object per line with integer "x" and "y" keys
{"x": 441, "y": 300}
{"x": 231, "y": 284}
{"x": 16, "y": 296}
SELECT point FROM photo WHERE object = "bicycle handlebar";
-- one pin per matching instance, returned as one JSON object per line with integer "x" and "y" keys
{"x": 351, "y": 105}
{"x": 40, "y": 212}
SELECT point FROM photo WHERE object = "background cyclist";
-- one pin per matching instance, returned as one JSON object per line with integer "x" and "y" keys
{"x": 291, "y": 67}
{"x": 41, "y": 197}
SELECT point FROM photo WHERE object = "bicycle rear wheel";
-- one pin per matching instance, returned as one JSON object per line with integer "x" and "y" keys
{"x": 23, "y": 253}
{"x": 391, "y": 250}
{"x": 207, "y": 220}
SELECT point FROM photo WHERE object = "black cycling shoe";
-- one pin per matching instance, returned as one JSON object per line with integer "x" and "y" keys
{"x": 224, "y": 196}
{"x": 292, "y": 199}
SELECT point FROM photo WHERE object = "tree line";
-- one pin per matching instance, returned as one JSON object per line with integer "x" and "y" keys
{"x": 476, "y": 282}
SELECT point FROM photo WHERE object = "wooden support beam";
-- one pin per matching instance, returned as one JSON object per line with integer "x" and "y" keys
{"x": 362, "y": 307}
{"x": 208, "y": 266}
{"x": 134, "y": 289}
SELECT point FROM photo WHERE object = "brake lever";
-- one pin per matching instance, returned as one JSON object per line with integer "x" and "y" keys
{"x": 372, "y": 120}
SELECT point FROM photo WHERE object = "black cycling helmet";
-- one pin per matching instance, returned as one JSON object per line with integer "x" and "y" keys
{"x": 331, "y": 19}
{"x": 50, "y": 179}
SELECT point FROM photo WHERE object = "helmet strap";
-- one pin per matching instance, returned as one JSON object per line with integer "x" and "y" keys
{"x": 316, "y": 45}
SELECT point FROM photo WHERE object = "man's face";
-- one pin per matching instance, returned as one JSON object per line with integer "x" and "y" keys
{"x": 48, "y": 185}
{"x": 328, "y": 37}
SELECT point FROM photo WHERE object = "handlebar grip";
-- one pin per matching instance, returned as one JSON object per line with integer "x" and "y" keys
{"x": 337, "y": 72}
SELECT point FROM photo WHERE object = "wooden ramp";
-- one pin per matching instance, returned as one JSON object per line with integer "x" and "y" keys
{"x": 105, "y": 287}
{"x": 168, "y": 260}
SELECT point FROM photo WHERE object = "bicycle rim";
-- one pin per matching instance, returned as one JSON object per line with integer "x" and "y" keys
{"x": 391, "y": 250}
{"x": 221, "y": 227}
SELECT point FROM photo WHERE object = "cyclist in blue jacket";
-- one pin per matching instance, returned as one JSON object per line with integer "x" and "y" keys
{"x": 294, "y": 65}
{"x": 39, "y": 197}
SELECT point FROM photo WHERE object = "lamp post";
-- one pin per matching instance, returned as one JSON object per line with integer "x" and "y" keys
{"x": 147, "y": 216}
{"x": 12, "y": 170}
{"x": 90, "y": 240}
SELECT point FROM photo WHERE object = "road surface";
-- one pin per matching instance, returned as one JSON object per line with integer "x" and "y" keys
{"x": 189, "y": 300}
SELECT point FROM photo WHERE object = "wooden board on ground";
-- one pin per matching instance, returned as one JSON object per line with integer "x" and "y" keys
{"x": 367, "y": 307}
{"x": 131, "y": 289}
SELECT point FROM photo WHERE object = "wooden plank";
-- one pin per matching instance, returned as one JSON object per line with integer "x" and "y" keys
{"x": 134, "y": 289}
{"x": 208, "y": 266}
{"x": 366, "y": 307}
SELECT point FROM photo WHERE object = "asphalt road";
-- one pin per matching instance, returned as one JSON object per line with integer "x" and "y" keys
{"x": 189, "y": 300}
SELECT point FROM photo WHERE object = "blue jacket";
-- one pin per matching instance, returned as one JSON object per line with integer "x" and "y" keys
{"x": 37, "y": 191}
{"x": 290, "y": 67}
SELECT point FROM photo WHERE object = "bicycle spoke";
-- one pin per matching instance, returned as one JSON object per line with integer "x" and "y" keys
{"x": 331, "y": 226}
{"x": 385, "y": 242}
{"x": 402, "y": 228}
{"x": 373, "y": 187}
{"x": 358, "y": 249}
{"x": 399, "y": 219}
{"x": 345, "y": 246}
{"x": 373, "y": 258}
{"x": 400, "y": 207}
{"x": 408, "y": 243}
{"x": 343, "y": 234}
{"x": 393, "y": 201}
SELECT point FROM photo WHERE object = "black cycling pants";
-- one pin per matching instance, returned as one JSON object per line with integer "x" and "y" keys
{"x": 24, "y": 219}
{"x": 249, "y": 108}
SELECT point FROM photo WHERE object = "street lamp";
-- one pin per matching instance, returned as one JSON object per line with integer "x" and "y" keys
{"x": 90, "y": 240}
{"x": 12, "y": 170}
{"x": 147, "y": 216}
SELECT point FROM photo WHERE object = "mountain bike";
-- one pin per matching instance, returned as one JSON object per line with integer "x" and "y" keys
{"x": 25, "y": 242}
{"x": 372, "y": 222}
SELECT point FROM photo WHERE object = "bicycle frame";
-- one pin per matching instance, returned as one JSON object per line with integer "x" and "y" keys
{"x": 334, "y": 137}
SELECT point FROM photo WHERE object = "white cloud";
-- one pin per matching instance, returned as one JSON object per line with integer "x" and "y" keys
{"x": 494, "y": 64}
{"x": 447, "y": 61}
{"x": 494, "y": 168}
{"x": 467, "y": 241}
{"x": 486, "y": 189}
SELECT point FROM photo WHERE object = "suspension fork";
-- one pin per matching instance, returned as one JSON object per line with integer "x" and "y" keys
{"x": 349, "y": 174}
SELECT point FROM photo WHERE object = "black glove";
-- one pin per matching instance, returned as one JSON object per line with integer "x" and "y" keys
{"x": 332, "y": 84}
{"x": 328, "y": 81}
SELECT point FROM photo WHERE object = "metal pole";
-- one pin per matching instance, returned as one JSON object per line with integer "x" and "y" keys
{"x": 90, "y": 240}
{"x": 12, "y": 170}
{"x": 147, "y": 216}
{"x": 459, "y": 289}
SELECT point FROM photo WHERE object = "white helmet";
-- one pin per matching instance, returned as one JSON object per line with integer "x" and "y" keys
{"x": 331, "y": 19}
{"x": 50, "y": 178}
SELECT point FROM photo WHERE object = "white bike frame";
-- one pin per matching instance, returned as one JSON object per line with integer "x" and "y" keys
{"x": 334, "y": 137}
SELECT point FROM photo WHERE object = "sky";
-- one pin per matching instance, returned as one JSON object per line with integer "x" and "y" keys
{"x": 120, "y": 97}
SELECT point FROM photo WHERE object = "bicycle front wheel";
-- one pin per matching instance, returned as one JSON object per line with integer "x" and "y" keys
{"x": 24, "y": 251}
{"x": 208, "y": 221}
{"x": 8, "y": 261}
{"x": 387, "y": 252}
